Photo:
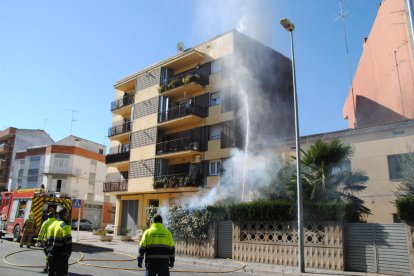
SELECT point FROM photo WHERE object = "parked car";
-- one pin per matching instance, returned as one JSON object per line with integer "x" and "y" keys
{"x": 110, "y": 228}
{"x": 83, "y": 225}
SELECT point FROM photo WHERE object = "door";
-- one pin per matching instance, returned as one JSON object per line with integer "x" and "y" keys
{"x": 377, "y": 248}
{"x": 224, "y": 239}
{"x": 129, "y": 218}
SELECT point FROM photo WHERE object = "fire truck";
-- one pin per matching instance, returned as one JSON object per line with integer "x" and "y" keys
{"x": 16, "y": 207}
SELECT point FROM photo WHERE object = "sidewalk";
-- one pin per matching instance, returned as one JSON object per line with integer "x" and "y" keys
{"x": 131, "y": 248}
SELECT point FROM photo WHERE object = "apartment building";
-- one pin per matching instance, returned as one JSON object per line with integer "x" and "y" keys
{"x": 73, "y": 166}
{"x": 382, "y": 90}
{"x": 13, "y": 140}
{"x": 176, "y": 121}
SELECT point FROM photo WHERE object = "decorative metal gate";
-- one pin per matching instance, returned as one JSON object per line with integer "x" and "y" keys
{"x": 377, "y": 248}
{"x": 224, "y": 239}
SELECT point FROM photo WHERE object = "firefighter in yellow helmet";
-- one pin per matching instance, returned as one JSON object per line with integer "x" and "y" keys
{"x": 59, "y": 243}
{"x": 29, "y": 230}
{"x": 157, "y": 246}
{"x": 41, "y": 238}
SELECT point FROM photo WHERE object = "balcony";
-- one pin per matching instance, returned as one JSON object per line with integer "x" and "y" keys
{"x": 117, "y": 157}
{"x": 176, "y": 181}
{"x": 118, "y": 106}
{"x": 181, "y": 147}
{"x": 189, "y": 81}
{"x": 62, "y": 170}
{"x": 180, "y": 116}
{"x": 5, "y": 147}
{"x": 115, "y": 186}
{"x": 125, "y": 127}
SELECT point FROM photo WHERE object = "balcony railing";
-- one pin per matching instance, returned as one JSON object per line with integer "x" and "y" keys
{"x": 119, "y": 129}
{"x": 124, "y": 101}
{"x": 176, "y": 145}
{"x": 183, "y": 79}
{"x": 181, "y": 111}
{"x": 176, "y": 181}
{"x": 117, "y": 157}
{"x": 115, "y": 186}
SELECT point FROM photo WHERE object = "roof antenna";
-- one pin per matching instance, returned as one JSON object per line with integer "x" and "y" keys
{"x": 342, "y": 17}
{"x": 72, "y": 120}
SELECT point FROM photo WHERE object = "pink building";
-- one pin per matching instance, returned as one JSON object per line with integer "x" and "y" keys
{"x": 383, "y": 85}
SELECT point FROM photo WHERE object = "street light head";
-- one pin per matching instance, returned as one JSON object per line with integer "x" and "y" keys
{"x": 287, "y": 24}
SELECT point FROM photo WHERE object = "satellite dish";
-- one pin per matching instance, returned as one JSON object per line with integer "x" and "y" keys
{"x": 180, "y": 46}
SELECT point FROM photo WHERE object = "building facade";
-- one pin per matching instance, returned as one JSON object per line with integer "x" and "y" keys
{"x": 382, "y": 90}
{"x": 176, "y": 121}
{"x": 73, "y": 166}
{"x": 13, "y": 140}
{"x": 377, "y": 152}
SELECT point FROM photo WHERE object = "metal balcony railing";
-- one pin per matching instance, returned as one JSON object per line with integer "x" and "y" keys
{"x": 119, "y": 129}
{"x": 183, "y": 79}
{"x": 176, "y": 145}
{"x": 176, "y": 181}
{"x": 127, "y": 99}
{"x": 115, "y": 186}
{"x": 117, "y": 157}
{"x": 181, "y": 111}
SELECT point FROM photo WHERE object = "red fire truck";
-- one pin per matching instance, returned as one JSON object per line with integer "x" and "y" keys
{"x": 17, "y": 205}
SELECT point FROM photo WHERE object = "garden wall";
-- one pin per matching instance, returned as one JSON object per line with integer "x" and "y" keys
{"x": 276, "y": 243}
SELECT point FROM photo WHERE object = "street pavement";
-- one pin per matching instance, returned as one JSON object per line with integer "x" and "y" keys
{"x": 201, "y": 264}
{"x": 91, "y": 256}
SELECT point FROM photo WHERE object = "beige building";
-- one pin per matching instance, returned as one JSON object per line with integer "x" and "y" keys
{"x": 176, "y": 121}
{"x": 377, "y": 151}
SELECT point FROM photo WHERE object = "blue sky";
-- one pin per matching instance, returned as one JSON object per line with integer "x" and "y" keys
{"x": 58, "y": 56}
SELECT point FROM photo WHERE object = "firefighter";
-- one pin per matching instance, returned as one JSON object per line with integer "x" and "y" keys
{"x": 59, "y": 243}
{"x": 157, "y": 246}
{"x": 41, "y": 238}
{"x": 29, "y": 230}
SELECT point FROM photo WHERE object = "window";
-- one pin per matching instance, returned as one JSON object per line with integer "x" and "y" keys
{"x": 215, "y": 167}
{"x": 154, "y": 202}
{"x": 61, "y": 160}
{"x": 215, "y": 132}
{"x": 215, "y": 66}
{"x": 34, "y": 162}
{"x": 394, "y": 165}
{"x": 215, "y": 98}
{"x": 92, "y": 178}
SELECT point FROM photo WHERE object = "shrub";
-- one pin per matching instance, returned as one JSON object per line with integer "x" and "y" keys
{"x": 280, "y": 210}
{"x": 405, "y": 208}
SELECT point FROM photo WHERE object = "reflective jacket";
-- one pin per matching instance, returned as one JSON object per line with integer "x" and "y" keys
{"x": 29, "y": 225}
{"x": 43, "y": 230}
{"x": 59, "y": 239}
{"x": 157, "y": 245}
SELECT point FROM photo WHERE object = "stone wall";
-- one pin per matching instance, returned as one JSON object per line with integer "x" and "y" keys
{"x": 276, "y": 243}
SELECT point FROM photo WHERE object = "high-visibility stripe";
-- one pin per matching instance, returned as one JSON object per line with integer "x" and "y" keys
{"x": 37, "y": 205}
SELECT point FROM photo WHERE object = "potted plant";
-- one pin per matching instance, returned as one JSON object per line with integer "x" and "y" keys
{"x": 103, "y": 236}
{"x": 124, "y": 234}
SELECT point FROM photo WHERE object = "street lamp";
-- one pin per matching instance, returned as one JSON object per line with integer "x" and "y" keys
{"x": 290, "y": 28}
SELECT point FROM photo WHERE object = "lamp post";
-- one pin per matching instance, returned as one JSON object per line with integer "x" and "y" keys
{"x": 290, "y": 28}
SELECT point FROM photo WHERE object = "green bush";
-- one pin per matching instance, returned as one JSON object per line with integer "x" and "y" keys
{"x": 261, "y": 210}
{"x": 405, "y": 208}
{"x": 279, "y": 210}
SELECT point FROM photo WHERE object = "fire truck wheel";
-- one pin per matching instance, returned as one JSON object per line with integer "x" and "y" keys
{"x": 16, "y": 233}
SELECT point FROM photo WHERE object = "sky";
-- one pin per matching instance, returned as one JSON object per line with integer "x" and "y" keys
{"x": 59, "y": 60}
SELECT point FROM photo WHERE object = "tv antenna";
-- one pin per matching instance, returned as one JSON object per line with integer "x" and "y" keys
{"x": 180, "y": 47}
{"x": 342, "y": 16}
{"x": 73, "y": 119}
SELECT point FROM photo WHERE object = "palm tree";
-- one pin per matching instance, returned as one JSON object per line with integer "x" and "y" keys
{"x": 326, "y": 176}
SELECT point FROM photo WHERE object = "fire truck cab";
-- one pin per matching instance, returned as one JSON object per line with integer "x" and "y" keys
{"x": 16, "y": 207}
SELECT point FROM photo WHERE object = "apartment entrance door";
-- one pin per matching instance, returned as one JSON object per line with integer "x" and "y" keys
{"x": 129, "y": 216}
